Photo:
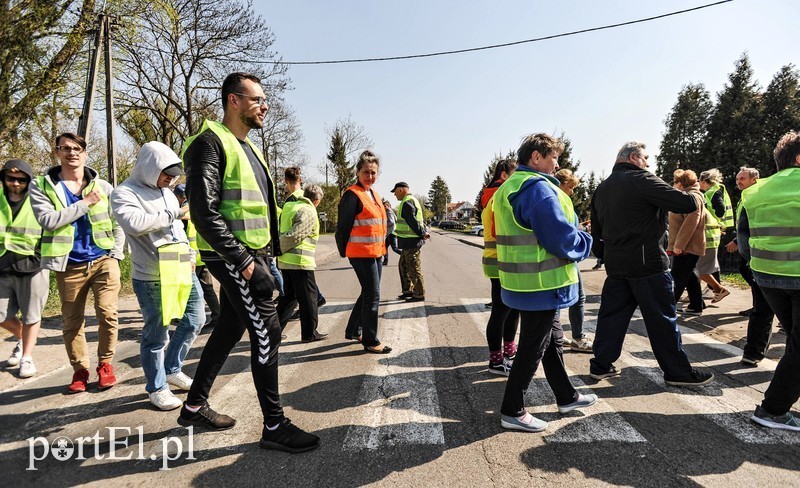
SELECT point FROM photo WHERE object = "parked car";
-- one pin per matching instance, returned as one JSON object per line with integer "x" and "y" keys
{"x": 451, "y": 225}
{"x": 476, "y": 230}
{"x": 435, "y": 223}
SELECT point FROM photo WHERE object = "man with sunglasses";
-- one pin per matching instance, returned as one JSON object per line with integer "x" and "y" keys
{"x": 83, "y": 244}
{"x": 233, "y": 206}
{"x": 24, "y": 286}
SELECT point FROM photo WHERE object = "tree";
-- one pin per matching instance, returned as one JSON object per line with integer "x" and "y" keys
{"x": 439, "y": 197}
{"x": 352, "y": 139}
{"x": 427, "y": 214}
{"x": 781, "y": 113}
{"x": 489, "y": 174}
{"x": 685, "y": 131}
{"x": 734, "y": 135}
{"x": 581, "y": 195}
{"x": 329, "y": 206}
{"x": 342, "y": 170}
{"x": 41, "y": 41}
{"x": 173, "y": 57}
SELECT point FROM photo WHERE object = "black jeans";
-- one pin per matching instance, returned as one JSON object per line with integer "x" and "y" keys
{"x": 784, "y": 389}
{"x": 244, "y": 305}
{"x": 759, "y": 324}
{"x": 655, "y": 298}
{"x": 209, "y": 295}
{"x": 364, "y": 317}
{"x": 299, "y": 288}
{"x": 540, "y": 340}
{"x": 502, "y": 325}
{"x": 685, "y": 279}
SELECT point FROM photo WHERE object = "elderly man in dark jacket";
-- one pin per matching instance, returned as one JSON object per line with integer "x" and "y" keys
{"x": 629, "y": 215}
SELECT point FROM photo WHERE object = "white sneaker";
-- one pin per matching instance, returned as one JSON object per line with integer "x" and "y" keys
{"x": 165, "y": 400}
{"x": 581, "y": 345}
{"x": 26, "y": 368}
{"x": 180, "y": 380}
{"x": 16, "y": 355}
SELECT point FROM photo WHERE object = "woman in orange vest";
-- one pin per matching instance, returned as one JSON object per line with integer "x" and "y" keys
{"x": 360, "y": 235}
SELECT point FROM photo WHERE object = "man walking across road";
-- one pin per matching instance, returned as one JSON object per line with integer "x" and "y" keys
{"x": 299, "y": 228}
{"x": 629, "y": 213}
{"x": 83, "y": 244}
{"x": 24, "y": 286}
{"x": 233, "y": 205}
{"x": 411, "y": 235}
{"x": 760, "y": 316}
{"x": 164, "y": 281}
{"x": 769, "y": 237}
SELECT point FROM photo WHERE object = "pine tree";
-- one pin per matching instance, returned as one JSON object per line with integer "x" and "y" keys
{"x": 685, "y": 132}
{"x": 734, "y": 136}
{"x": 489, "y": 174}
{"x": 580, "y": 197}
{"x": 343, "y": 172}
{"x": 781, "y": 113}
{"x": 439, "y": 197}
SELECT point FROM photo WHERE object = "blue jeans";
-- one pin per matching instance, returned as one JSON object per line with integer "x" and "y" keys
{"x": 156, "y": 362}
{"x": 276, "y": 273}
{"x": 576, "y": 312}
{"x": 655, "y": 297}
{"x": 364, "y": 317}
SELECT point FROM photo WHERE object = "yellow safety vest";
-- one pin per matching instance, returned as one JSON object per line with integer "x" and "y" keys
{"x": 301, "y": 256}
{"x": 489, "y": 259}
{"x": 773, "y": 213}
{"x": 21, "y": 234}
{"x": 402, "y": 229}
{"x": 175, "y": 277}
{"x": 524, "y": 265}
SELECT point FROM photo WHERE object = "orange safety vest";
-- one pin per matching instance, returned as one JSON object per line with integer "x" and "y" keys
{"x": 368, "y": 235}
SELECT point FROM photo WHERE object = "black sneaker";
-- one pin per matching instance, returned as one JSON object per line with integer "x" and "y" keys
{"x": 321, "y": 302}
{"x": 787, "y": 421}
{"x": 288, "y": 438}
{"x": 750, "y": 361}
{"x": 696, "y": 378}
{"x": 205, "y": 417}
{"x": 612, "y": 371}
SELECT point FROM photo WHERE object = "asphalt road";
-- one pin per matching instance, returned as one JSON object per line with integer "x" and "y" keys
{"x": 424, "y": 415}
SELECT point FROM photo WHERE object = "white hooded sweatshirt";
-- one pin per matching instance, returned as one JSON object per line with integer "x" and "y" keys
{"x": 150, "y": 216}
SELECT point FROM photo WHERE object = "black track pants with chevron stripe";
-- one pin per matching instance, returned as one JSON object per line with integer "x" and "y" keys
{"x": 243, "y": 305}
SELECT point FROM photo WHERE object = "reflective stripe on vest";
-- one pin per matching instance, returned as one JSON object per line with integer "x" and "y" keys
{"x": 191, "y": 233}
{"x": 175, "y": 277}
{"x": 368, "y": 235}
{"x": 59, "y": 242}
{"x": 301, "y": 256}
{"x": 773, "y": 213}
{"x": 21, "y": 234}
{"x": 726, "y": 221}
{"x": 489, "y": 259}
{"x": 523, "y": 264}
{"x": 402, "y": 229}
{"x": 241, "y": 202}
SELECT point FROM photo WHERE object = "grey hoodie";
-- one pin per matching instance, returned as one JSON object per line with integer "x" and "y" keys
{"x": 149, "y": 215}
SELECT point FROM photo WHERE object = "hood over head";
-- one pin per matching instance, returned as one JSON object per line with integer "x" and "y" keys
{"x": 17, "y": 164}
{"x": 153, "y": 158}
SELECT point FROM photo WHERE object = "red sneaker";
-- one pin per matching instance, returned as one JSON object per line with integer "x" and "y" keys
{"x": 80, "y": 381}
{"x": 105, "y": 376}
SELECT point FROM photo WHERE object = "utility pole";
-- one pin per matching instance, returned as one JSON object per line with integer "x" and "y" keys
{"x": 102, "y": 39}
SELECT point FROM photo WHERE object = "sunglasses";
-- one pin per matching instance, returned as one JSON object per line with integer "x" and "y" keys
{"x": 11, "y": 179}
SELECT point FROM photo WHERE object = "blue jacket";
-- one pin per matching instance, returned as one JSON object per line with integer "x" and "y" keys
{"x": 536, "y": 207}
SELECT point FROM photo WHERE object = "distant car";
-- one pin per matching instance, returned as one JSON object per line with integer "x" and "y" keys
{"x": 451, "y": 225}
{"x": 476, "y": 230}
{"x": 435, "y": 223}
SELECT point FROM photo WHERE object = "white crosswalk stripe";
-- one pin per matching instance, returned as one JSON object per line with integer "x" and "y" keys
{"x": 398, "y": 403}
{"x": 598, "y": 423}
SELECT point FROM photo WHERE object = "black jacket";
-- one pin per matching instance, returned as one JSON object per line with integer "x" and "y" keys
{"x": 629, "y": 214}
{"x": 204, "y": 161}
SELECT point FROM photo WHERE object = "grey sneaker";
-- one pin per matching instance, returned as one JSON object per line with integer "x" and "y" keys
{"x": 16, "y": 355}
{"x": 786, "y": 421}
{"x": 581, "y": 402}
{"x": 612, "y": 371}
{"x": 513, "y": 423}
{"x": 720, "y": 295}
{"x": 581, "y": 345}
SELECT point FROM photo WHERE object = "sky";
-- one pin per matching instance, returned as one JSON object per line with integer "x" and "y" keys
{"x": 449, "y": 116}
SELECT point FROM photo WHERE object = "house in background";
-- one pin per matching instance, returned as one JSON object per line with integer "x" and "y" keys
{"x": 460, "y": 211}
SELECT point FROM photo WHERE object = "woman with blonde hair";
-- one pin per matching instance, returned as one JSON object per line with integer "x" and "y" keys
{"x": 687, "y": 242}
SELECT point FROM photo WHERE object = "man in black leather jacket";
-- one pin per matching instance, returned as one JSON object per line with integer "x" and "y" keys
{"x": 629, "y": 216}
{"x": 243, "y": 272}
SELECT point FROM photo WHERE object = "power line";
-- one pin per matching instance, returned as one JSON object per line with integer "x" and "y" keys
{"x": 496, "y": 46}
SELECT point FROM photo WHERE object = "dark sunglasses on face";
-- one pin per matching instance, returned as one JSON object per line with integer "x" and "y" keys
{"x": 11, "y": 179}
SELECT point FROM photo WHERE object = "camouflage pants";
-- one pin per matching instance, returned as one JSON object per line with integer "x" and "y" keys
{"x": 410, "y": 267}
